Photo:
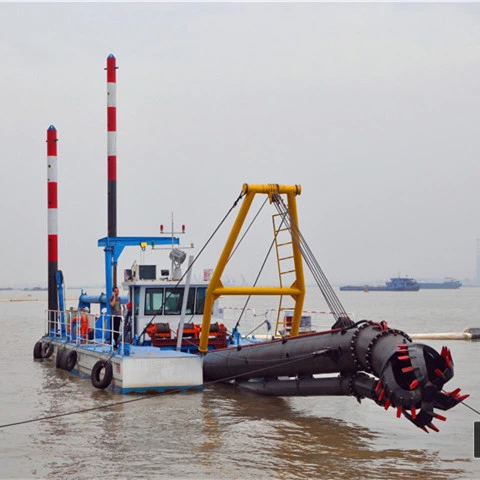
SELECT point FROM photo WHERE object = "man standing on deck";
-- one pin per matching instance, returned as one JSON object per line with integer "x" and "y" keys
{"x": 116, "y": 312}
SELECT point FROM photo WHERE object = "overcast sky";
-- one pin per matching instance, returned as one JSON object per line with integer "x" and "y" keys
{"x": 374, "y": 109}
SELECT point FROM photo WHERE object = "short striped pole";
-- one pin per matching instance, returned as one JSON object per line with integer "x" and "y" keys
{"x": 52, "y": 201}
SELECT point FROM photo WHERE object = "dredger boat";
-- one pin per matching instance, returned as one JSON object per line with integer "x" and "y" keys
{"x": 170, "y": 337}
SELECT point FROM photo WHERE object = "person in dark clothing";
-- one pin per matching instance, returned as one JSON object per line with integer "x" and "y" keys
{"x": 116, "y": 312}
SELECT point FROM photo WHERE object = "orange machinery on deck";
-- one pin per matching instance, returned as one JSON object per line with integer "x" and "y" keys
{"x": 161, "y": 336}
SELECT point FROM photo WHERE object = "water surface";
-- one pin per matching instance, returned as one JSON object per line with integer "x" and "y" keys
{"x": 222, "y": 432}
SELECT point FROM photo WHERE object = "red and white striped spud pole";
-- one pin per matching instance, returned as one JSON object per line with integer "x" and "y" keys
{"x": 112, "y": 145}
{"x": 52, "y": 201}
{"x": 112, "y": 152}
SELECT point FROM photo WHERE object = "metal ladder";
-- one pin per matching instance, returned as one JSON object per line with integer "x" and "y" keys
{"x": 284, "y": 252}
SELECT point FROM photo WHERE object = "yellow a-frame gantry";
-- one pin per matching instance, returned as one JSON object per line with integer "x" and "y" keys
{"x": 296, "y": 290}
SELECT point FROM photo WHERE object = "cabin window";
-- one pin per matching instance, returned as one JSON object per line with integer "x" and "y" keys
{"x": 190, "y": 301}
{"x": 173, "y": 298}
{"x": 201, "y": 294}
{"x": 153, "y": 301}
{"x": 173, "y": 301}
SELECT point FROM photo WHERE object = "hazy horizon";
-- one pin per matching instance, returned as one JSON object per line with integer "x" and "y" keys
{"x": 371, "y": 108}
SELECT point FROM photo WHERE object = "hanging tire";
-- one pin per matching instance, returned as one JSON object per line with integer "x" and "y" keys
{"x": 70, "y": 360}
{"x": 37, "y": 350}
{"x": 47, "y": 350}
{"x": 60, "y": 360}
{"x": 102, "y": 367}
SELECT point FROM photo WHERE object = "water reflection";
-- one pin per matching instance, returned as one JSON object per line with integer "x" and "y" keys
{"x": 218, "y": 433}
{"x": 266, "y": 431}
{"x": 222, "y": 432}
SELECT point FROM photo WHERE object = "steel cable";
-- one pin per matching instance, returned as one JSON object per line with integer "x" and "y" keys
{"x": 147, "y": 397}
{"x": 193, "y": 262}
{"x": 330, "y": 297}
{"x": 261, "y": 267}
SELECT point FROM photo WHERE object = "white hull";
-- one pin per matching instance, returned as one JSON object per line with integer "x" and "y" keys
{"x": 145, "y": 369}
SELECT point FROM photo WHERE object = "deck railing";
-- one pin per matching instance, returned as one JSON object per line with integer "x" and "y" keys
{"x": 85, "y": 329}
{"x": 251, "y": 321}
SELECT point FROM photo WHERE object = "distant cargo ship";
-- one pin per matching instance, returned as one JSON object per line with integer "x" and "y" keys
{"x": 448, "y": 283}
{"x": 396, "y": 284}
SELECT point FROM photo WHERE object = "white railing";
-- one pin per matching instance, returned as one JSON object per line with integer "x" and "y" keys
{"x": 233, "y": 314}
{"x": 247, "y": 316}
{"x": 85, "y": 329}
{"x": 320, "y": 320}
{"x": 250, "y": 320}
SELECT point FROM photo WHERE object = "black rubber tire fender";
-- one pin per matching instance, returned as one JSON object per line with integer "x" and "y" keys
{"x": 104, "y": 382}
{"x": 60, "y": 360}
{"x": 70, "y": 360}
{"x": 47, "y": 350}
{"x": 37, "y": 350}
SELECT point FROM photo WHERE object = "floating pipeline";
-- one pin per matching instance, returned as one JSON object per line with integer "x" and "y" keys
{"x": 373, "y": 361}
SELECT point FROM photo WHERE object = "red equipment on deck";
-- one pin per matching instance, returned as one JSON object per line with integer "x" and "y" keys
{"x": 161, "y": 335}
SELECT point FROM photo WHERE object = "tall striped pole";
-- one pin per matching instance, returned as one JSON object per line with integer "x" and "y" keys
{"x": 112, "y": 150}
{"x": 52, "y": 201}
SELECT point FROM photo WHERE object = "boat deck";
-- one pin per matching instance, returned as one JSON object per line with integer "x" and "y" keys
{"x": 130, "y": 351}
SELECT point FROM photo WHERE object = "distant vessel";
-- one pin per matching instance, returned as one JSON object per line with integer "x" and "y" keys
{"x": 447, "y": 283}
{"x": 396, "y": 284}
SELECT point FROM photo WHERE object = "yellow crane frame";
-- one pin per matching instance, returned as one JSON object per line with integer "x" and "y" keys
{"x": 296, "y": 290}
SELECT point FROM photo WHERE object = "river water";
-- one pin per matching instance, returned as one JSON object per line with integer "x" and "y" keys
{"x": 221, "y": 432}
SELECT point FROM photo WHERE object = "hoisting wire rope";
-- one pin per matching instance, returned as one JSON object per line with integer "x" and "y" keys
{"x": 265, "y": 322}
{"x": 331, "y": 298}
{"x": 191, "y": 265}
{"x": 153, "y": 395}
{"x": 260, "y": 270}
{"x": 254, "y": 284}
{"x": 248, "y": 228}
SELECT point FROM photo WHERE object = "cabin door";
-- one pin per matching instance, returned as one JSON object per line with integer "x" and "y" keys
{"x": 135, "y": 299}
